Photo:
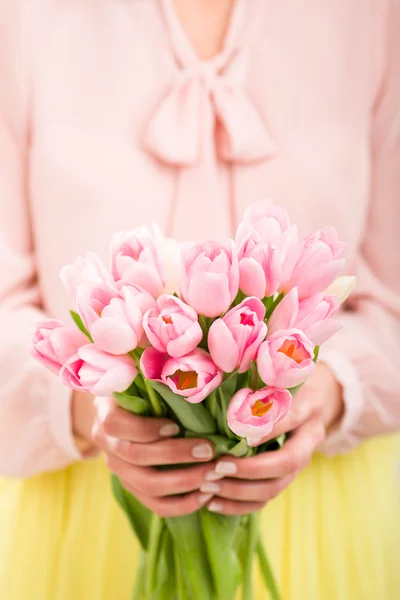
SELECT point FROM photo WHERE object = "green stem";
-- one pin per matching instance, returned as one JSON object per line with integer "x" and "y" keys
{"x": 139, "y": 583}
{"x": 157, "y": 525}
{"x": 156, "y": 404}
{"x": 212, "y": 404}
{"x": 154, "y": 399}
{"x": 267, "y": 572}
{"x": 253, "y": 376}
{"x": 251, "y": 543}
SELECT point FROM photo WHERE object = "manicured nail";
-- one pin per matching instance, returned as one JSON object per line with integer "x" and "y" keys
{"x": 169, "y": 430}
{"x": 216, "y": 507}
{"x": 213, "y": 476}
{"x": 226, "y": 468}
{"x": 203, "y": 498}
{"x": 210, "y": 488}
{"x": 202, "y": 451}
{"x": 253, "y": 443}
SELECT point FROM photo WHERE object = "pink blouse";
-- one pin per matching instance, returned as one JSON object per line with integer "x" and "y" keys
{"x": 108, "y": 120}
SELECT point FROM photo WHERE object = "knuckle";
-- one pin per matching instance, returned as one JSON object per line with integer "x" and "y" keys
{"x": 135, "y": 454}
{"x": 110, "y": 420}
{"x": 290, "y": 462}
{"x": 150, "y": 486}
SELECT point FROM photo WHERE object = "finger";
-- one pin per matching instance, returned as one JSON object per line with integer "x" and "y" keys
{"x": 121, "y": 424}
{"x": 173, "y": 506}
{"x": 247, "y": 491}
{"x": 302, "y": 410}
{"x": 292, "y": 457}
{"x": 229, "y": 507}
{"x": 165, "y": 452}
{"x": 153, "y": 482}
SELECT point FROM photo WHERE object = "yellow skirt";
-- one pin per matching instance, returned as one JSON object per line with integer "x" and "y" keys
{"x": 333, "y": 535}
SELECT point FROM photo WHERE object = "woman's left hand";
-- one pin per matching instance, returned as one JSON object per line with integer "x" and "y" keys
{"x": 249, "y": 483}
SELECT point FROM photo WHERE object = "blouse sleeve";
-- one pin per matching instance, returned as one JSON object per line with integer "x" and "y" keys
{"x": 365, "y": 354}
{"x": 35, "y": 422}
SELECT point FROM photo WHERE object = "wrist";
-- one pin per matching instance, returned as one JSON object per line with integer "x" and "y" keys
{"x": 83, "y": 415}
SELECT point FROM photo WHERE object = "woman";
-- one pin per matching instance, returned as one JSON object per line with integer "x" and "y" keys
{"x": 117, "y": 113}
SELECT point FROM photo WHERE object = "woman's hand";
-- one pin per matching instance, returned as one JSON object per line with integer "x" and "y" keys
{"x": 134, "y": 446}
{"x": 249, "y": 483}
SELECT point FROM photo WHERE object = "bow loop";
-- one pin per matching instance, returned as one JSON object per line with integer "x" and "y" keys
{"x": 174, "y": 132}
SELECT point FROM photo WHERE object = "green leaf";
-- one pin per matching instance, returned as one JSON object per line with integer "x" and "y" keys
{"x": 249, "y": 550}
{"x": 229, "y": 385}
{"x": 133, "y": 404}
{"x": 139, "y": 516}
{"x": 190, "y": 546}
{"x": 220, "y": 533}
{"x": 194, "y": 417}
{"x": 165, "y": 575}
{"x": 267, "y": 572}
{"x": 79, "y": 323}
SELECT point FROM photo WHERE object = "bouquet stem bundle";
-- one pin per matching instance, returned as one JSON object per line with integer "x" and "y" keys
{"x": 204, "y": 554}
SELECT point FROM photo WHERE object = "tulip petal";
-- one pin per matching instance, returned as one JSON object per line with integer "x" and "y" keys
{"x": 252, "y": 278}
{"x": 117, "y": 379}
{"x": 152, "y": 363}
{"x": 209, "y": 294}
{"x": 223, "y": 348}
{"x": 187, "y": 342}
{"x": 113, "y": 335}
{"x": 319, "y": 333}
{"x": 285, "y": 314}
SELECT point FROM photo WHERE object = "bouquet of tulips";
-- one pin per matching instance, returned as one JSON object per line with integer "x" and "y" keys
{"x": 216, "y": 336}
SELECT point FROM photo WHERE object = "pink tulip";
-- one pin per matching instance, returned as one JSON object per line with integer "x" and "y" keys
{"x": 115, "y": 318}
{"x": 285, "y": 359}
{"x": 193, "y": 376}
{"x": 89, "y": 271}
{"x": 265, "y": 219}
{"x": 53, "y": 343}
{"x": 136, "y": 261}
{"x": 252, "y": 415}
{"x": 210, "y": 277}
{"x": 97, "y": 372}
{"x": 235, "y": 339}
{"x": 319, "y": 264}
{"x": 172, "y": 327}
{"x": 311, "y": 315}
{"x": 260, "y": 268}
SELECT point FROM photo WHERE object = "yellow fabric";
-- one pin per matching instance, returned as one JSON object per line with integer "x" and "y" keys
{"x": 333, "y": 535}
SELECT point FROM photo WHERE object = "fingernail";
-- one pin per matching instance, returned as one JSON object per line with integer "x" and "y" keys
{"x": 226, "y": 468}
{"x": 203, "y": 498}
{"x": 169, "y": 430}
{"x": 202, "y": 451}
{"x": 210, "y": 488}
{"x": 216, "y": 507}
{"x": 253, "y": 443}
{"x": 213, "y": 476}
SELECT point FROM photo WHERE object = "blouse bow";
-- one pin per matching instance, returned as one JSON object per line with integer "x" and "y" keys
{"x": 200, "y": 92}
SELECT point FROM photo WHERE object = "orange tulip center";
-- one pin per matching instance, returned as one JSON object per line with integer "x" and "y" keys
{"x": 260, "y": 408}
{"x": 185, "y": 380}
{"x": 289, "y": 348}
{"x": 167, "y": 320}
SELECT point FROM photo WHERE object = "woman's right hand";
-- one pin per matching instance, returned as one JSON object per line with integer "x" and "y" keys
{"x": 134, "y": 446}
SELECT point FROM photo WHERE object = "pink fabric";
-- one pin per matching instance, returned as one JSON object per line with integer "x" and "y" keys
{"x": 125, "y": 127}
